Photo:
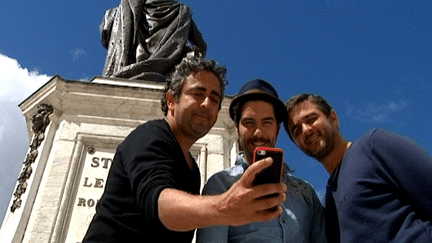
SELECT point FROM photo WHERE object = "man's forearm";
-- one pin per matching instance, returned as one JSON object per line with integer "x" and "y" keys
{"x": 241, "y": 204}
{"x": 181, "y": 211}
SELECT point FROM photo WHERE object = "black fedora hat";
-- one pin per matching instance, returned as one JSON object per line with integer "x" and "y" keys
{"x": 258, "y": 89}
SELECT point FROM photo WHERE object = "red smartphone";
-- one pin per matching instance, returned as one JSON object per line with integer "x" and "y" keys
{"x": 272, "y": 174}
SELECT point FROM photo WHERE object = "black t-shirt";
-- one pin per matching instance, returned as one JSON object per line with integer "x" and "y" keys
{"x": 148, "y": 161}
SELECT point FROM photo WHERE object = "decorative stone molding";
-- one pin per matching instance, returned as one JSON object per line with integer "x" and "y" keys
{"x": 40, "y": 122}
{"x": 73, "y": 140}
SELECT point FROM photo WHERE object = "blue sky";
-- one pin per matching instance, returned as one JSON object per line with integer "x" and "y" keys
{"x": 372, "y": 60}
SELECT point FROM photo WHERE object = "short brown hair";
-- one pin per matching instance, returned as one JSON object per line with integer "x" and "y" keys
{"x": 318, "y": 100}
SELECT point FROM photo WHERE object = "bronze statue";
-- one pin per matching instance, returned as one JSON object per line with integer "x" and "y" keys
{"x": 146, "y": 39}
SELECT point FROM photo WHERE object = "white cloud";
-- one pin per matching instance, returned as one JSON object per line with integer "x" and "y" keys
{"x": 2, "y": 129}
{"x": 18, "y": 83}
{"x": 77, "y": 53}
{"x": 372, "y": 113}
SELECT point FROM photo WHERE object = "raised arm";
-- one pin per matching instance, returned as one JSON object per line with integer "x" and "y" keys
{"x": 241, "y": 204}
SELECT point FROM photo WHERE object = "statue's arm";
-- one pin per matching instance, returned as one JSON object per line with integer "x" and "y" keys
{"x": 106, "y": 26}
{"x": 195, "y": 37}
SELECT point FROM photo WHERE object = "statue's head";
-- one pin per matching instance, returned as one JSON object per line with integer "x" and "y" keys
{"x": 188, "y": 66}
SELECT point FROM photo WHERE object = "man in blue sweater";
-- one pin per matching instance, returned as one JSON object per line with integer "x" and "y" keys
{"x": 379, "y": 188}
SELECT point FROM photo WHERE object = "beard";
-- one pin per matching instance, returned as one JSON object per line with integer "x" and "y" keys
{"x": 199, "y": 127}
{"x": 324, "y": 144}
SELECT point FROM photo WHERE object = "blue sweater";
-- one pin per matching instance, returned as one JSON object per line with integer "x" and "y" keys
{"x": 381, "y": 193}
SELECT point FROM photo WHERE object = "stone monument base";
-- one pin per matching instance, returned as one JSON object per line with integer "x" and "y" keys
{"x": 75, "y": 128}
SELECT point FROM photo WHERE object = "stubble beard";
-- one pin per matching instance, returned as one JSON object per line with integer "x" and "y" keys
{"x": 325, "y": 147}
{"x": 198, "y": 128}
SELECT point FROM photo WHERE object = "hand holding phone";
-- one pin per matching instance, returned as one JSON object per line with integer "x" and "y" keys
{"x": 273, "y": 173}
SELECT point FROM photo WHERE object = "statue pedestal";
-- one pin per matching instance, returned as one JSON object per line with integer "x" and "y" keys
{"x": 75, "y": 128}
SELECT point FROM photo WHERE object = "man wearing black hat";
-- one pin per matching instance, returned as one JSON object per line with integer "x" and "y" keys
{"x": 258, "y": 112}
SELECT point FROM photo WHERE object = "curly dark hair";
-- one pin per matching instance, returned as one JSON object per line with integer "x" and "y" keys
{"x": 188, "y": 66}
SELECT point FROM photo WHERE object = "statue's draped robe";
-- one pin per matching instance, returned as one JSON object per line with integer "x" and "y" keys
{"x": 146, "y": 39}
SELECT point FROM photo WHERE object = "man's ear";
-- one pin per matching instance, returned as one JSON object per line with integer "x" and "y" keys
{"x": 170, "y": 99}
{"x": 278, "y": 128}
{"x": 334, "y": 118}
